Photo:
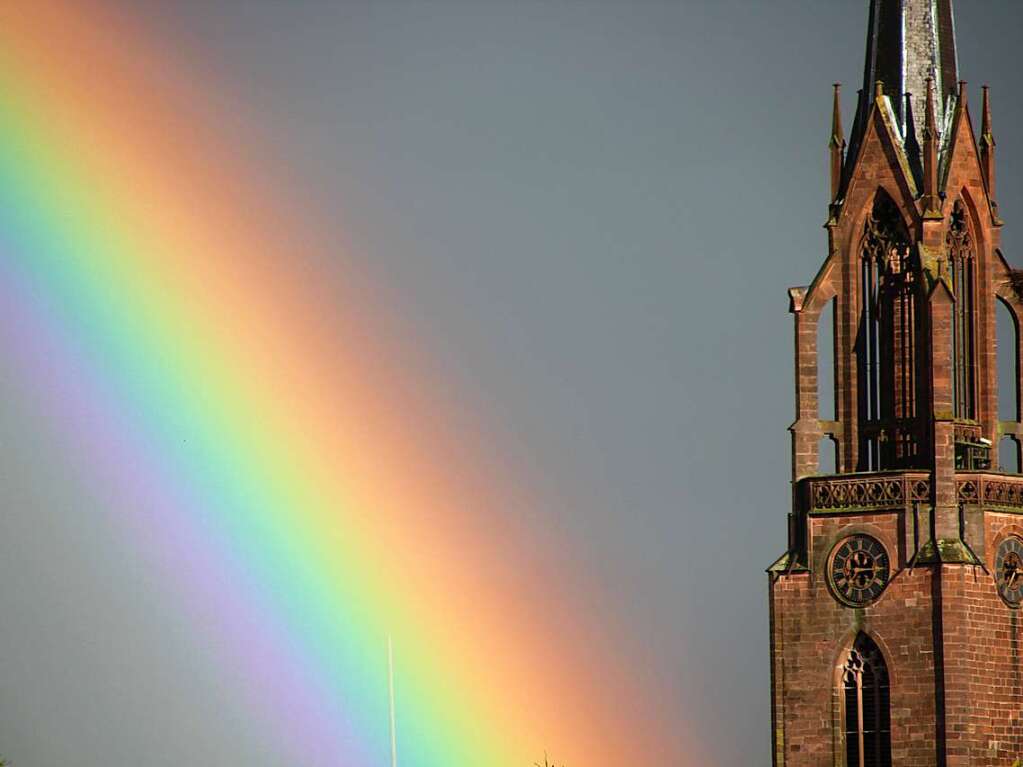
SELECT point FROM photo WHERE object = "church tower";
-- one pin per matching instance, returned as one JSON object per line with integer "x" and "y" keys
{"x": 896, "y": 631}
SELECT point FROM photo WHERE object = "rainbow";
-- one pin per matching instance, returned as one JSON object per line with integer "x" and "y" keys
{"x": 277, "y": 453}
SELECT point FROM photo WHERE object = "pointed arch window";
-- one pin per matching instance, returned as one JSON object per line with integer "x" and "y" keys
{"x": 867, "y": 707}
{"x": 962, "y": 264}
{"x": 886, "y": 347}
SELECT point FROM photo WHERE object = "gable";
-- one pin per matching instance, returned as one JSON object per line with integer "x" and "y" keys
{"x": 880, "y": 161}
{"x": 961, "y": 165}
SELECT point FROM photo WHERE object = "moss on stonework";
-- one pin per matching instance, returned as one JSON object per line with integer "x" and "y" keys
{"x": 948, "y": 551}
{"x": 788, "y": 563}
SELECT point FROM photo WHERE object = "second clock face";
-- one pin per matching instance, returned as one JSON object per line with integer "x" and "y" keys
{"x": 859, "y": 570}
{"x": 1009, "y": 570}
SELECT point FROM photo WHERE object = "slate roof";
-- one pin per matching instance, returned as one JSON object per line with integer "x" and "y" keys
{"x": 909, "y": 41}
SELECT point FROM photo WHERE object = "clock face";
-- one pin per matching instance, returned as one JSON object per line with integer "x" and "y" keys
{"x": 1009, "y": 570}
{"x": 859, "y": 570}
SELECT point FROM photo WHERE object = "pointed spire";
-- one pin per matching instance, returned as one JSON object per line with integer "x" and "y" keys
{"x": 931, "y": 203}
{"x": 985, "y": 124}
{"x": 930, "y": 115}
{"x": 909, "y": 42}
{"x": 837, "y": 133}
{"x": 987, "y": 146}
{"x": 961, "y": 112}
{"x": 837, "y": 142}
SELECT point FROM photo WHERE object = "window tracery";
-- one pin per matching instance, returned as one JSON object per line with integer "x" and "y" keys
{"x": 887, "y": 343}
{"x": 867, "y": 708}
{"x": 962, "y": 264}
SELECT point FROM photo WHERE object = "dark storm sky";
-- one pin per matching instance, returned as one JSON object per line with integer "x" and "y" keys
{"x": 587, "y": 214}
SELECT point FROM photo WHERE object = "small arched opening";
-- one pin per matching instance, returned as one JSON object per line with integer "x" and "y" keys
{"x": 1007, "y": 343}
{"x": 1009, "y": 455}
{"x": 827, "y": 456}
{"x": 826, "y": 362}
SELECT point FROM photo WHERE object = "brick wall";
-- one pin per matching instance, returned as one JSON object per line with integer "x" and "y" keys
{"x": 947, "y": 617}
{"x": 983, "y": 699}
{"x": 984, "y": 677}
{"x": 811, "y": 633}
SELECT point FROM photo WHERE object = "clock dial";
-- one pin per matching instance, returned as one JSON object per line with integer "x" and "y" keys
{"x": 1009, "y": 570}
{"x": 859, "y": 570}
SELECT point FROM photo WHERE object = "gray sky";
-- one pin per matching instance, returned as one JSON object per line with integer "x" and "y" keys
{"x": 587, "y": 214}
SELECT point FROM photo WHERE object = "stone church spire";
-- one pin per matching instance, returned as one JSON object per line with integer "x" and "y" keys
{"x": 895, "y": 610}
{"x": 908, "y": 43}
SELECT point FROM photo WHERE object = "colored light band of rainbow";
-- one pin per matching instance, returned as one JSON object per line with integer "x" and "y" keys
{"x": 244, "y": 425}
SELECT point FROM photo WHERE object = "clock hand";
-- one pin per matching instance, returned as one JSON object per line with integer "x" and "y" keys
{"x": 856, "y": 570}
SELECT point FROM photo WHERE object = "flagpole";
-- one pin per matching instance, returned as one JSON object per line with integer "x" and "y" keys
{"x": 390, "y": 696}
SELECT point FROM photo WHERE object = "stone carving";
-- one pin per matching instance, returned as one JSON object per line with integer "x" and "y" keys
{"x": 991, "y": 490}
{"x": 875, "y": 492}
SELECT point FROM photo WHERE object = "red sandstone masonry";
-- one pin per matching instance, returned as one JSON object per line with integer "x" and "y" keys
{"x": 983, "y": 693}
{"x": 952, "y": 645}
{"x": 812, "y": 633}
{"x": 980, "y": 638}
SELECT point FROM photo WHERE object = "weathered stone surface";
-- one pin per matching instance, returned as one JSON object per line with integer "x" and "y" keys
{"x": 914, "y": 274}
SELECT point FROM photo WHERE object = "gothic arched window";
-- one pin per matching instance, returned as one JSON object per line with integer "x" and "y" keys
{"x": 962, "y": 264}
{"x": 886, "y": 347}
{"x": 866, "y": 706}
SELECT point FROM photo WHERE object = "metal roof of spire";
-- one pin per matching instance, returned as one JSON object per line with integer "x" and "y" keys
{"x": 909, "y": 42}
